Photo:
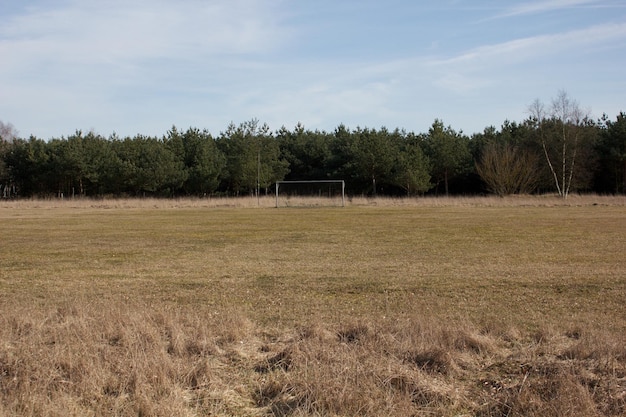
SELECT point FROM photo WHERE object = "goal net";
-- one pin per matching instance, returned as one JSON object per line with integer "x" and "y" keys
{"x": 310, "y": 193}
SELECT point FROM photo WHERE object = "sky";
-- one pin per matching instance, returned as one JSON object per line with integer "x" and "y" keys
{"x": 129, "y": 67}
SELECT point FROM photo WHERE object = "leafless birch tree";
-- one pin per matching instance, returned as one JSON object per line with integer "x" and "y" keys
{"x": 7, "y": 135}
{"x": 560, "y": 130}
{"x": 7, "y": 132}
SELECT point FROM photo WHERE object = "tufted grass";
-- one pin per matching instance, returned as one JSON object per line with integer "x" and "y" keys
{"x": 474, "y": 306}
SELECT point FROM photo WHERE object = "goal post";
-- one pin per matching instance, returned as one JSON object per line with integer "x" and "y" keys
{"x": 341, "y": 183}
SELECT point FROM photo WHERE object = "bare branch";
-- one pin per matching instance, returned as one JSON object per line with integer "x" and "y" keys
{"x": 7, "y": 132}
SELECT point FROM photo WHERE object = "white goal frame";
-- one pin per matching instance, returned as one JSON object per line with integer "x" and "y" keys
{"x": 342, "y": 182}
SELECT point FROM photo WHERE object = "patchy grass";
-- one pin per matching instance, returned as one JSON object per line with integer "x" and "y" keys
{"x": 486, "y": 307}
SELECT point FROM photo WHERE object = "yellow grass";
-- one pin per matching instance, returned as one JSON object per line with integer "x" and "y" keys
{"x": 267, "y": 201}
{"x": 473, "y": 306}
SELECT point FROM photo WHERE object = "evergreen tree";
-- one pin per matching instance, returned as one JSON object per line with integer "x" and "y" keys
{"x": 448, "y": 152}
{"x": 308, "y": 153}
{"x": 412, "y": 167}
{"x": 253, "y": 158}
{"x": 612, "y": 153}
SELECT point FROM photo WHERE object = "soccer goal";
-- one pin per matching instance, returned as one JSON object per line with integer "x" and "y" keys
{"x": 310, "y": 193}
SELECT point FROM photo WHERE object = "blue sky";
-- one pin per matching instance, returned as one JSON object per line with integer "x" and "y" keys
{"x": 141, "y": 66}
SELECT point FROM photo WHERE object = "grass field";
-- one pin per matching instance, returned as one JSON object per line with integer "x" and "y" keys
{"x": 451, "y": 307}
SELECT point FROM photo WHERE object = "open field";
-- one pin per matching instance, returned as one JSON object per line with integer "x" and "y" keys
{"x": 476, "y": 307}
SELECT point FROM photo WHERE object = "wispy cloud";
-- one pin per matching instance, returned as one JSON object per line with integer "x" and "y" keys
{"x": 117, "y": 57}
{"x": 141, "y": 65}
{"x": 526, "y": 48}
{"x": 127, "y": 32}
{"x": 489, "y": 67}
{"x": 541, "y": 7}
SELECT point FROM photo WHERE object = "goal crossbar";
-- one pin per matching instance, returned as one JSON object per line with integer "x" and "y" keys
{"x": 342, "y": 182}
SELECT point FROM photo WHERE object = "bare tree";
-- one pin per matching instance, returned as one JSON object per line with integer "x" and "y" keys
{"x": 560, "y": 133}
{"x": 7, "y": 135}
{"x": 7, "y": 132}
{"x": 507, "y": 169}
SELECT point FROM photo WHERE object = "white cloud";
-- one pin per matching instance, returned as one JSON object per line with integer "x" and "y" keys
{"x": 122, "y": 34}
{"x": 479, "y": 67}
{"x": 80, "y": 56}
{"x": 542, "y": 6}
{"x": 139, "y": 66}
{"x": 525, "y": 48}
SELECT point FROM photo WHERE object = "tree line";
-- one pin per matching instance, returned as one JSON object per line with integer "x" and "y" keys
{"x": 557, "y": 149}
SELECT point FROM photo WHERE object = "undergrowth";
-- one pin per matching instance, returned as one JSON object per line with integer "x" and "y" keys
{"x": 128, "y": 358}
{"x": 268, "y": 201}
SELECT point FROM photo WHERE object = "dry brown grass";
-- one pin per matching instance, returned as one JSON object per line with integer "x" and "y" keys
{"x": 471, "y": 307}
{"x": 548, "y": 200}
{"x": 132, "y": 359}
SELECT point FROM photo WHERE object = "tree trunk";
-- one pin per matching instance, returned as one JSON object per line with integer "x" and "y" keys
{"x": 624, "y": 178}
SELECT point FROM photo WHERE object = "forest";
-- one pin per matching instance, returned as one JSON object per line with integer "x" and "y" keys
{"x": 557, "y": 149}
